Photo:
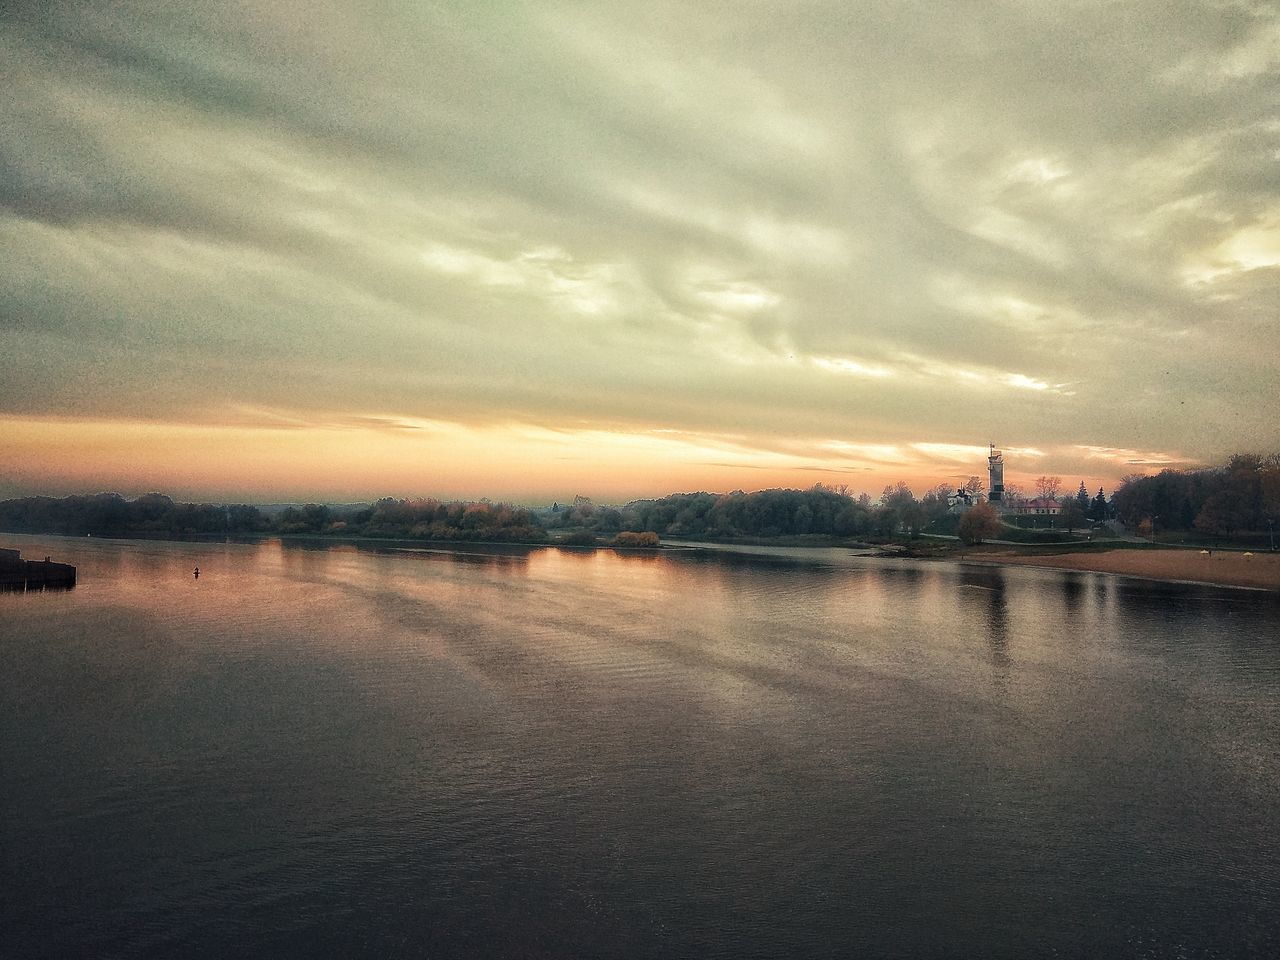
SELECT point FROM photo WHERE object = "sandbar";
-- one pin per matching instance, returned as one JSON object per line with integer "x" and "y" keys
{"x": 1225, "y": 568}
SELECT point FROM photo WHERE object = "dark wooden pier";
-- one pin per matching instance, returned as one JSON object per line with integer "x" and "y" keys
{"x": 18, "y": 575}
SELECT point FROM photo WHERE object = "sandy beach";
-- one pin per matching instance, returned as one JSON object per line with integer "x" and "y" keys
{"x": 1259, "y": 570}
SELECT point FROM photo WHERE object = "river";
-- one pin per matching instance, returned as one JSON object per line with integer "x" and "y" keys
{"x": 343, "y": 751}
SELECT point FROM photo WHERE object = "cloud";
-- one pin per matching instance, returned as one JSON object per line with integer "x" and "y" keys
{"x": 883, "y": 225}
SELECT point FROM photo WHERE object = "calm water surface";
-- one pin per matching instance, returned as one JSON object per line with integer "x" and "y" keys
{"x": 344, "y": 752}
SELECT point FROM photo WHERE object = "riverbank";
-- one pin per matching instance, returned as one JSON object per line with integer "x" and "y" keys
{"x": 1221, "y": 568}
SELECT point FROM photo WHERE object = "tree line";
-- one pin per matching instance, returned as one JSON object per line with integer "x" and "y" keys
{"x": 111, "y": 515}
{"x": 158, "y": 516}
{"x": 1242, "y": 495}
{"x": 821, "y": 510}
{"x": 422, "y": 519}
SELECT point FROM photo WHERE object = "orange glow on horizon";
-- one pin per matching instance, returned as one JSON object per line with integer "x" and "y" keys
{"x": 346, "y": 462}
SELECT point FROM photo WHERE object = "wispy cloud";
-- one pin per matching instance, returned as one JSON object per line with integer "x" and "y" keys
{"x": 904, "y": 230}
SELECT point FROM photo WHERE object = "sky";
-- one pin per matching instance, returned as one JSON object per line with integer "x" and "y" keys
{"x": 272, "y": 251}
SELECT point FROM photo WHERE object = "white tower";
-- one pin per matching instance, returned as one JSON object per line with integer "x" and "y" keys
{"x": 995, "y": 468}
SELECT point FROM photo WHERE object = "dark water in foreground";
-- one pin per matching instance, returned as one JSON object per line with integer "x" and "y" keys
{"x": 342, "y": 752}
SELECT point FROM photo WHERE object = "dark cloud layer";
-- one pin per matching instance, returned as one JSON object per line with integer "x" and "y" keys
{"x": 1053, "y": 223}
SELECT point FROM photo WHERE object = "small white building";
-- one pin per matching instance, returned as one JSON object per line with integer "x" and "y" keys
{"x": 1039, "y": 507}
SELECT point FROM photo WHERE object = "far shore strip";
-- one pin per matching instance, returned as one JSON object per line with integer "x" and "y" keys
{"x": 1223, "y": 568}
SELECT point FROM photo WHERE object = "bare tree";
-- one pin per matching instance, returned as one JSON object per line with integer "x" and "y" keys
{"x": 1047, "y": 487}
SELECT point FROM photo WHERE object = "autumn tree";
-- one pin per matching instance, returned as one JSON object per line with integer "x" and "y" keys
{"x": 628, "y": 538}
{"x": 979, "y": 523}
{"x": 1222, "y": 514}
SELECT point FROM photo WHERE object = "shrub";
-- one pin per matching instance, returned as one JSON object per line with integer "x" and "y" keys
{"x": 629, "y": 539}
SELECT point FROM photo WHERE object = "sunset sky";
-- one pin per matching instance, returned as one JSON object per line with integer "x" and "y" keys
{"x": 277, "y": 251}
